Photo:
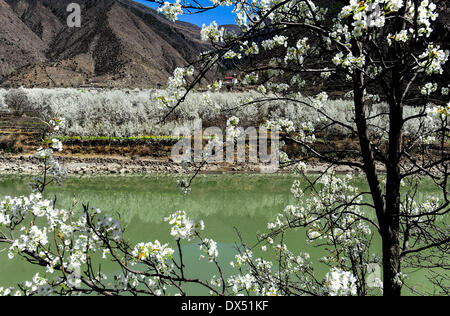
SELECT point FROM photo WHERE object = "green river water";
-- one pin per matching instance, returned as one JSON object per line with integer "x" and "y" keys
{"x": 226, "y": 203}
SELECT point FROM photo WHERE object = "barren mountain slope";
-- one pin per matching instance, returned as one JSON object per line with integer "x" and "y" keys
{"x": 120, "y": 44}
{"x": 38, "y": 17}
{"x": 18, "y": 44}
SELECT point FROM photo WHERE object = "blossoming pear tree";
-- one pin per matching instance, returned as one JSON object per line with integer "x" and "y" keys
{"x": 391, "y": 51}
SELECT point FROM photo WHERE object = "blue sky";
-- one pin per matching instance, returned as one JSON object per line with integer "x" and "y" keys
{"x": 222, "y": 15}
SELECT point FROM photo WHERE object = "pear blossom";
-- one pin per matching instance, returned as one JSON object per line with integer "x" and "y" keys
{"x": 171, "y": 10}
{"x": 340, "y": 283}
{"x": 212, "y": 32}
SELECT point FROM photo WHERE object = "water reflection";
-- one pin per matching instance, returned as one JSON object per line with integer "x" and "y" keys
{"x": 225, "y": 202}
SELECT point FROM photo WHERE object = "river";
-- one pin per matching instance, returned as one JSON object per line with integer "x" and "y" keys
{"x": 227, "y": 203}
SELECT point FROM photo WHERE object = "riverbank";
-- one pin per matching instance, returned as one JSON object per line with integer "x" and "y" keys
{"x": 27, "y": 164}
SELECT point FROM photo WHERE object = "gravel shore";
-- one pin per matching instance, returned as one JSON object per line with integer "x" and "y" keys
{"x": 124, "y": 165}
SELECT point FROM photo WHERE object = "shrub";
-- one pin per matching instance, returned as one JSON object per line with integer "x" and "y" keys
{"x": 17, "y": 101}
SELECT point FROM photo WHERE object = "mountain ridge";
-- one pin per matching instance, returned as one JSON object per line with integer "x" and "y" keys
{"x": 120, "y": 44}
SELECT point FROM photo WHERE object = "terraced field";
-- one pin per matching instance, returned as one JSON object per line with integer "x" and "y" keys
{"x": 21, "y": 123}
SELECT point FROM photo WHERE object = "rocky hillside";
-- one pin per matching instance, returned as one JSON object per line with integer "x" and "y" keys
{"x": 120, "y": 44}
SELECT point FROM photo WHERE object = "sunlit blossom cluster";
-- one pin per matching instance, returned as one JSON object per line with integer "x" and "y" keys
{"x": 212, "y": 32}
{"x": 182, "y": 226}
{"x": 171, "y": 10}
{"x": 341, "y": 283}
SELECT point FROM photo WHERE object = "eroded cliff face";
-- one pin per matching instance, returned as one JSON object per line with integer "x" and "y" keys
{"x": 19, "y": 45}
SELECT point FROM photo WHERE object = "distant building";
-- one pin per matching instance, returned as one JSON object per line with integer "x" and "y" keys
{"x": 229, "y": 82}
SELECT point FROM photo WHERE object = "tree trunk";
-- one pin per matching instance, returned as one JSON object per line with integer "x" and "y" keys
{"x": 387, "y": 208}
{"x": 390, "y": 222}
{"x": 390, "y": 225}
{"x": 391, "y": 259}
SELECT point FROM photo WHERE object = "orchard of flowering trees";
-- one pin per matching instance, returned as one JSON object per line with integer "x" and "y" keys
{"x": 380, "y": 50}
